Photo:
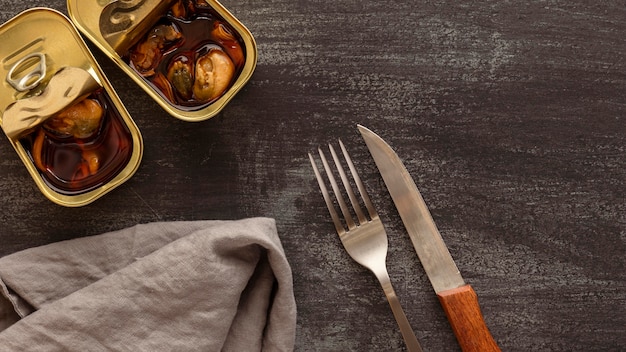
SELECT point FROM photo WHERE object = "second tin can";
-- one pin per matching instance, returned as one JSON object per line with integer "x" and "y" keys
{"x": 190, "y": 56}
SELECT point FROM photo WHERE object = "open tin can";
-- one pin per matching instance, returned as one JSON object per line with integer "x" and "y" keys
{"x": 60, "y": 112}
{"x": 190, "y": 56}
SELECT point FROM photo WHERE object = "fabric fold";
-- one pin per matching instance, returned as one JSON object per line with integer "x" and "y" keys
{"x": 171, "y": 286}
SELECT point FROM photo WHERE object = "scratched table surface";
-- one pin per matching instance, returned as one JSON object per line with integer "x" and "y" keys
{"x": 509, "y": 115}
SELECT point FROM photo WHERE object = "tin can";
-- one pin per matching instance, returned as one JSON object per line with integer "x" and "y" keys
{"x": 60, "y": 112}
{"x": 190, "y": 56}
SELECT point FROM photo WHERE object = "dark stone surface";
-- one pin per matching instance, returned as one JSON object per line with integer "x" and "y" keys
{"x": 510, "y": 115}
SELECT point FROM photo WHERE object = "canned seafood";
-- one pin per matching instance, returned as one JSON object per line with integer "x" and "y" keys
{"x": 190, "y": 56}
{"x": 60, "y": 112}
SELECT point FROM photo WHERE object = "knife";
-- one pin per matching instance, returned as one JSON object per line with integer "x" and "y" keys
{"x": 458, "y": 299}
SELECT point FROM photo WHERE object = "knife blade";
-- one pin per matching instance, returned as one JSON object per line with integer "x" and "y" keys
{"x": 458, "y": 299}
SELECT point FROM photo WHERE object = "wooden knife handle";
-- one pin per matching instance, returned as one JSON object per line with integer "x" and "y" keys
{"x": 461, "y": 307}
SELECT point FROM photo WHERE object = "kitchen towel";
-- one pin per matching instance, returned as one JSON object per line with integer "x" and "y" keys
{"x": 168, "y": 286}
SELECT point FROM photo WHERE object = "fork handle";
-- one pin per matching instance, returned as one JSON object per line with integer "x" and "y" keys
{"x": 408, "y": 335}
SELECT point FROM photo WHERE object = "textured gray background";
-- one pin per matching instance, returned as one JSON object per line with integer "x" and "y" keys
{"x": 509, "y": 115}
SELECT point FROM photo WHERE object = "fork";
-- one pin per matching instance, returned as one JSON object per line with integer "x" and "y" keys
{"x": 366, "y": 242}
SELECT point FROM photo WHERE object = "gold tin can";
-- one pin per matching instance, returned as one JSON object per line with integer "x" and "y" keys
{"x": 60, "y": 112}
{"x": 190, "y": 56}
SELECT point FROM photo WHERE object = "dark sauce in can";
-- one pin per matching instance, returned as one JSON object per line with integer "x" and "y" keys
{"x": 175, "y": 49}
{"x": 64, "y": 161}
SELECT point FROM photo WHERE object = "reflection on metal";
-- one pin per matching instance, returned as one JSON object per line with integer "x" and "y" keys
{"x": 65, "y": 87}
{"x": 123, "y": 21}
{"x": 36, "y": 62}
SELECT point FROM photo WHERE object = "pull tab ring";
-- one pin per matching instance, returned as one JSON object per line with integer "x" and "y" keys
{"x": 35, "y": 76}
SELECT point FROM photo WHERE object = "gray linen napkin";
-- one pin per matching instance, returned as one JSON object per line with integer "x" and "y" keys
{"x": 171, "y": 286}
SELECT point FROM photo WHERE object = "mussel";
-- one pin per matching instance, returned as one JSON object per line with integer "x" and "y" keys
{"x": 180, "y": 74}
{"x": 184, "y": 8}
{"x": 164, "y": 85}
{"x": 223, "y": 35}
{"x": 37, "y": 150}
{"x": 147, "y": 54}
{"x": 90, "y": 164}
{"x": 214, "y": 73}
{"x": 179, "y": 9}
{"x": 81, "y": 120}
{"x": 188, "y": 66}
{"x": 202, "y": 3}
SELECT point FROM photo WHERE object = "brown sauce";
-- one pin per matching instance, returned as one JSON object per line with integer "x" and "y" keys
{"x": 63, "y": 161}
{"x": 197, "y": 38}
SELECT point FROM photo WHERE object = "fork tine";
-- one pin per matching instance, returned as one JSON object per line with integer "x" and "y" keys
{"x": 346, "y": 184}
{"x": 366, "y": 199}
{"x": 329, "y": 204}
{"x": 342, "y": 203}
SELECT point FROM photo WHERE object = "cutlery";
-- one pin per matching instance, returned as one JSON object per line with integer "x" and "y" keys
{"x": 459, "y": 300}
{"x": 365, "y": 241}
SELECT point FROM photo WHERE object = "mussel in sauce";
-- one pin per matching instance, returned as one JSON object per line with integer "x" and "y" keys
{"x": 147, "y": 55}
{"x": 80, "y": 120}
{"x": 82, "y": 146}
{"x": 183, "y": 8}
{"x": 180, "y": 74}
{"x": 192, "y": 57}
{"x": 226, "y": 39}
{"x": 214, "y": 72}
